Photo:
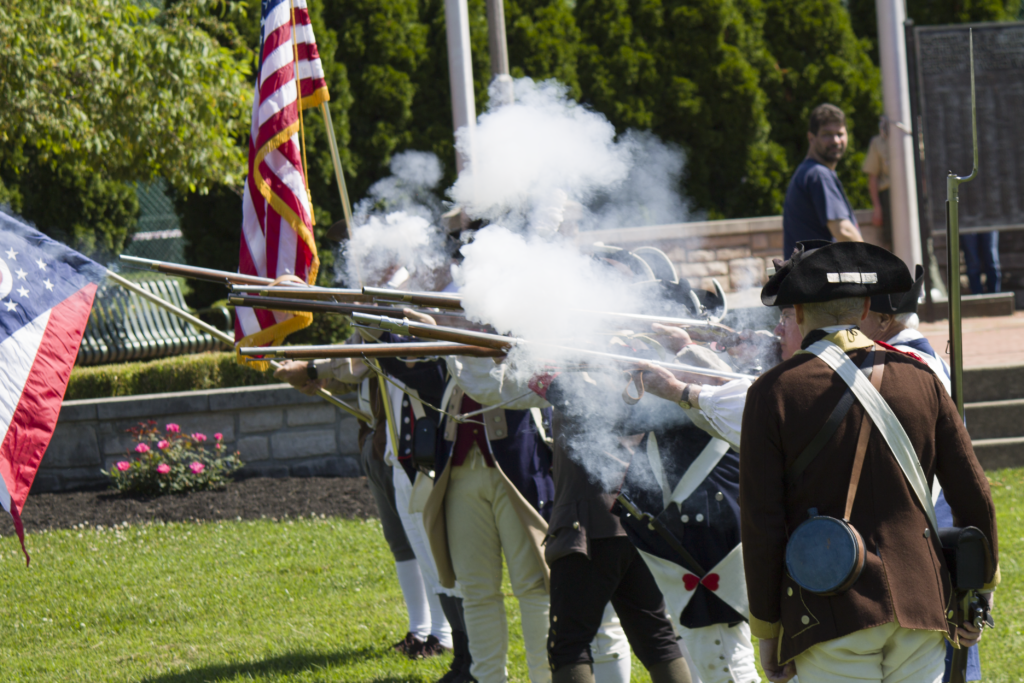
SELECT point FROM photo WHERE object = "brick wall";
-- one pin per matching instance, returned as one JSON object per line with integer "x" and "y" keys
{"x": 279, "y": 431}
{"x": 735, "y": 252}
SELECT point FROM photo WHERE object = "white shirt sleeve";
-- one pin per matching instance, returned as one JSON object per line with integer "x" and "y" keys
{"x": 348, "y": 370}
{"x": 490, "y": 384}
{"x": 723, "y": 407}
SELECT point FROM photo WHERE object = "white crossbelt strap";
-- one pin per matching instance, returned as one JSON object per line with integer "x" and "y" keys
{"x": 654, "y": 457}
{"x": 696, "y": 473}
{"x": 699, "y": 470}
{"x": 884, "y": 420}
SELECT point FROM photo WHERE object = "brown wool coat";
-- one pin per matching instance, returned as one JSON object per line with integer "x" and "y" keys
{"x": 905, "y": 577}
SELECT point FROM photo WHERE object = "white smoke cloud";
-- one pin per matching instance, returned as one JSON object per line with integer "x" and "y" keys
{"x": 410, "y": 188}
{"x": 384, "y": 244}
{"x": 535, "y": 157}
{"x": 396, "y": 227}
{"x": 530, "y": 286}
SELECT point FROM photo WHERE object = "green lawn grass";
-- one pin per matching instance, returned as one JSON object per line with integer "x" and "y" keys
{"x": 298, "y": 600}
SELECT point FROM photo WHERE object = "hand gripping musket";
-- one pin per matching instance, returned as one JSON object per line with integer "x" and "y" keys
{"x": 274, "y": 303}
{"x": 953, "y": 182}
{"x": 408, "y": 350}
{"x": 506, "y": 344}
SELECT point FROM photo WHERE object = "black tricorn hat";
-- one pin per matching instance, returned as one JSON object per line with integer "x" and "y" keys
{"x": 895, "y": 304}
{"x": 820, "y": 270}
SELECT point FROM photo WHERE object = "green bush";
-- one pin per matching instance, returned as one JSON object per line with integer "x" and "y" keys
{"x": 180, "y": 373}
{"x": 172, "y": 462}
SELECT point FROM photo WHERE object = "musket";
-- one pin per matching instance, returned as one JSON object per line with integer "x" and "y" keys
{"x": 406, "y": 350}
{"x": 275, "y": 303}
{"x": 953, "y": 182}
{"x": 294, "y": 292}
{"x": 506, "y": 344}
{"x": 428, "y": 299}
{"x": 700, "y": 330}
{"x": 194, "y": 273}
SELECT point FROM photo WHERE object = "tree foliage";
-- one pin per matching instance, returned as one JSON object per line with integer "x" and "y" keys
{"x": 97, "y": 93}
{"x": 820, "y": 59}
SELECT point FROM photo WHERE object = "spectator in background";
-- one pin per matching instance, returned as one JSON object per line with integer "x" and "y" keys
{"x": 816, "y": 206}
{"x": 981, "y": 251}
{"x": 876, "y": 166}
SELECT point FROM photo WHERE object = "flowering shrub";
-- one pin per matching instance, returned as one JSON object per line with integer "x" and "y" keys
{"x": 172, "y": 462}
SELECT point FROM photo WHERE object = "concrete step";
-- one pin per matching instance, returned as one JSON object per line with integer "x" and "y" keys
{"x": 995, "y": 419}
{"x": 995, "y": 454}
{"x": 994, "y": 384}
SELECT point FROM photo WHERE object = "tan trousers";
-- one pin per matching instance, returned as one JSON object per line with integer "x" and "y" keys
{"x": 888, "y": 653}
{"x": 481, "y": 526}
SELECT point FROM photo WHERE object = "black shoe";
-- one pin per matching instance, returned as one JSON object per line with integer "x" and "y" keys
{"x": 431, "y": 647}
{"x": 408, "y": 644}
{"x": 454, "y": 676}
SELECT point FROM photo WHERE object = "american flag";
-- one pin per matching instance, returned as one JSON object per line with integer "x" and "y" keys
{"x": 277, "y": 219}
{"x": 46, "y": 293}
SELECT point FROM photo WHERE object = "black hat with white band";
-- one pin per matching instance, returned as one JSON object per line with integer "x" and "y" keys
{"x": 820, "y": 270}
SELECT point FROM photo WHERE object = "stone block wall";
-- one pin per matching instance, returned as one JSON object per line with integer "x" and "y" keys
{"x": 279, "y": 432}
{"x": 735, "y": 252}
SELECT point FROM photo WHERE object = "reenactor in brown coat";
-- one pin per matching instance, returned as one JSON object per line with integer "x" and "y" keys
{"x": 890, "y": 623}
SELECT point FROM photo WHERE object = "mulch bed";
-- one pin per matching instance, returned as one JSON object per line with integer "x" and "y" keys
{"x": 246, "y": 499}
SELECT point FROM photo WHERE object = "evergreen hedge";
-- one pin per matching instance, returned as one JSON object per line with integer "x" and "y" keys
{"x": 180, "y": 373}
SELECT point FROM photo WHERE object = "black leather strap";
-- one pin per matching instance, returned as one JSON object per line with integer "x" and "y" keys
{"x": 827, "y": 430}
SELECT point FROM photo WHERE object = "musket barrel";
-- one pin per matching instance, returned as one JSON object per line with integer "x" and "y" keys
{"x": 192, "y": 272}
{"x": 428, "y": 299}
{"x": 411, "y": 350}
{"x": 450, "y": 334}
{"x": 275, "y": 303}
{"x": 953, "y": 182}
{"x": 295, "y": 292}
{"x": 496, "y": 341}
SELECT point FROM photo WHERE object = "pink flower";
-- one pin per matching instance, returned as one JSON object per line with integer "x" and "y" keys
{"x": 123, "y": 465}
{"x": 199, "y": 437}
{"x": 162, "y": 444}
{"x": 197, "y": 467}
{"x": 142, "y": 448}
{"x": 173, "y": 428}
{"x": 218, "y": 436}
{"x": 163, "y": 468}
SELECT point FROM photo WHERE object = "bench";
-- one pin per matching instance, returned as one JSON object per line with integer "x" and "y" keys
{"x": 125, "y": 327}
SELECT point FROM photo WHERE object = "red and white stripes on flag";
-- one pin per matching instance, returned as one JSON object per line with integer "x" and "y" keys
{"x": 277, "y": 218}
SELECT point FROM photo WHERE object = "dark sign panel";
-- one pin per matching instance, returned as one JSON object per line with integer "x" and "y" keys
{"x": 943, "y": 105}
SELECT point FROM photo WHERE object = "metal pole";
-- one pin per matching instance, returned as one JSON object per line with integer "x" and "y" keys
{"x": 892, "y": 52}
{"x": 953, "y": 183}
{"x": 460, "y": 73}
{"x": 501, "y": 81}
{"x": 346, "y": 205}
{"x": 226, "y": 338}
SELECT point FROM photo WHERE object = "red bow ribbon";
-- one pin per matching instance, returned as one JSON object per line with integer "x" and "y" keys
{"x": 710, "y": 581}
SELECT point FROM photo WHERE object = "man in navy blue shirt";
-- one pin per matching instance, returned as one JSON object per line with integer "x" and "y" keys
{"x": 816, "y": 206}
